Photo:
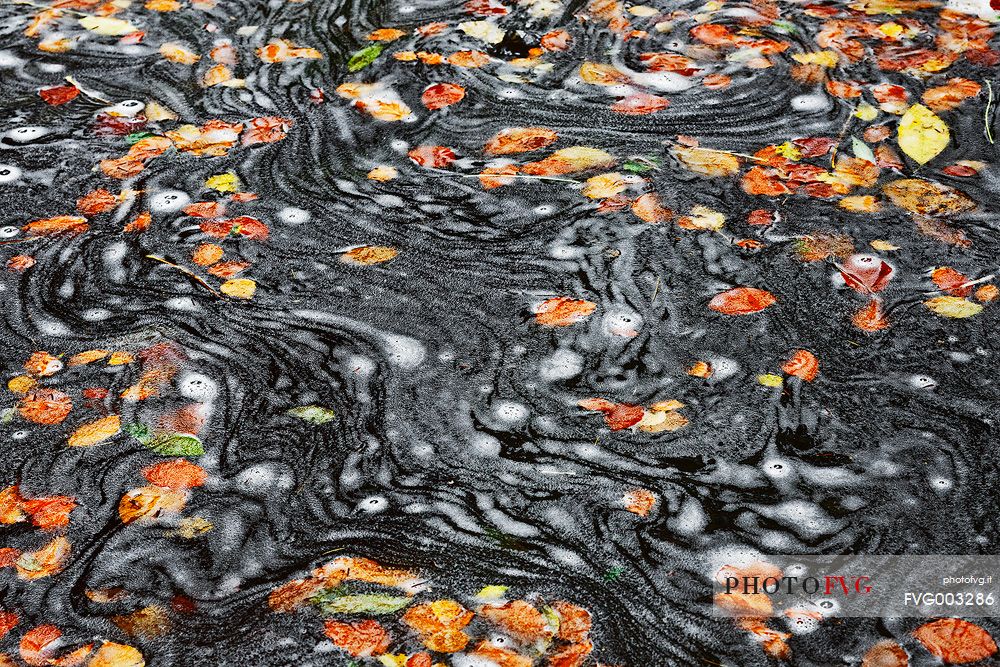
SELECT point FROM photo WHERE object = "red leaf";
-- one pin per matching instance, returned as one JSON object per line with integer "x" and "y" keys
{"x": 440, "y": 95}
{"x": 741, "y": 301}
{"x": 58, "y": 94}
{"x": 433, "y": 156}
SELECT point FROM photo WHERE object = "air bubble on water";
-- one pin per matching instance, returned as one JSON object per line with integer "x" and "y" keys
{"x": 51, "y": 68}
{"x": 25, "y": 134}
{"x": 561, "y": 365}
{"x": 921, "y": 381}
{"x": 185, "y": 303}
{"x": 403, "y": 351}
{"x": 95, "y": 314}
{"x": 9, "y": 173}
{"x": 485, "y": 445}
{"x": 53, "y": 328}
{"x": 941, "y": 484}
{"x": 9, "y": 231}
{"x": 777, "y": 468}
{"x": 691, "y": 520}
{"x": 294, "y": 216}
{"x": 510, "y": 412}
{"x": 168, "y": 201}
{"x": 808, "y": 103}
{"x": 198, "y": 387}
{"x": 9, "y": 60}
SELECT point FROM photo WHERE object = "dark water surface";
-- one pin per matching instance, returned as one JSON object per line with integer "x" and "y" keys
{"x": 363, "y": 350}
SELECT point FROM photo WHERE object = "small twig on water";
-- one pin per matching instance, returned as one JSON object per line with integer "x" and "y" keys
{"x": 986, "y": 114}
{"x": 188, "y": 272}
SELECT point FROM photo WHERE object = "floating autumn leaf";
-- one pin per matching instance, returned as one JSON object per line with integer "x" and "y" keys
{"x": 107, "y": 25}
{"x": 951, "y": 95}
{"x": 440, "y": 624}
{"x": 361, "y": 639}
{"x": 383, "y": 173}
{"x": 62, "y": 225}
{"x": 90, "y": 356}
{"x": 707, "y": 162}
{"x": 149, "y": 503}
{"x": 606, "y": 185}
{"x": 45, "y": 406}
{"x": 870, "y": 318}
{"x": 95, "y": 432}
{"x": 602, "y": 75}
{"x": 42, "y": 364}
{"x": 648, "y": 209}
{"x": 956, "y": 641}
{"x": 44, "y": 562}
{"x": 239, "y": 288}
{"x": 363, "y": 58}
{"x": 703, "y": 218}
{"x": 440, "y": 95}
{"x": 177, "y": 474}
{"x": 741, "y": 301}
{"x": 266, "y": 130}
{"x": 519, "y": 619}
{"x": 865, "y": 273}
{"x": 39, "y": 645}
{"x": 58, "y": 95}
{"x": 885, "y": 654}
{"x": 921, "y": 134}
{"x": 49, "y": 513}
{"x": 802, "y": 364}
{"x": 313, "y": 413}
{"x": 111, "y": 654}
{"x": 569, "y": 161}
{"x": 178, "y": 53}
{"x": 436, "y": 157}
{"x": 923, "y": 197}
{"x": 150, "y": 621}
{"x": 953, "y": 307}
{"x": 563, "y": 311}
{"x": 282, "y": 50}
{"x": 951, "y": 281}
{"x": 638, "y": 501}
{"x": 640, "y": 104}
{"x": 519, "y": 140}
{"x": 368, "y": 255}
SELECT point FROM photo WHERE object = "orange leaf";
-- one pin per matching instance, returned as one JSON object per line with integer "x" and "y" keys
{"x": 870, "y": 318}
{"x": 69, "y": 225}
{"x": 58, "y": 94}
{"x": 359, "y": 638}
{"x": 97, "y": 201}
{"x": 885, "y": 654}
{"x": 150, "y": 502}
{"x": 519, "y": 140}
{"x": 50, "y": 513}
{"x": 44, "y": 562}
{"x": 741, "y": 301}
{"x": 519, "y": 619}
{"x": 956, "y": 641}
{"x": 176, "y": 474}
{"x": 648, "y": 209}
{"x": 639, "y": 501}
{"x": 802, "y": 364}
{"x": 951, "y": 281}
{"x": 440, "y": 95}
{"x": 562, "y": 311}
{"x": 94, "y": 432}
{"x": 45, "y": 406}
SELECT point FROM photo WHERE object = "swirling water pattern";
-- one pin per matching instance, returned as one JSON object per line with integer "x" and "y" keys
{"x": 457, "y": 446}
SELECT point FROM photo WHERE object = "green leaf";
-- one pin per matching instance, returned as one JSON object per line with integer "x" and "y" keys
{"x": 785, "y": 26}
{"x": 176, "y": 444}
{"x": 7, "y": 415}
{"x": 861, "y": 150}
{"x": 140, "y": 432}
{"x": 135, "y": 137}
{"x": 364, "y": 57}
{"x": 332, "y": 602}
{"x": 313, "y": 413}
{"x": 641, "y": 164}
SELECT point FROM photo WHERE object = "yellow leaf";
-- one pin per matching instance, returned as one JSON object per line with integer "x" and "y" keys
{"x": 22, "y": 384}
{"x": 921, "y": 134}
{"x": 369, "y": 254}
{"x": 94, "y": 432}
{"x": 707, "y": 162}
{"x": 176, "y": 53}
{"x": 106, "y": 25}
{"x": 239, "y": 288}
{"x": 789, "y": 151}
{"x": 383, "y": 173}
{"x": 821, "y": 58}
{"x": 601, "y": 75}
{"x": 866, "y": 112}
{"x": 604, "y": 186}
{"x": 702, "y": 217}
{"x": 116, "y": 655}
{"x": 157, "y": 112}
{"x": 883, "y": 246}
{"x": 227, "y": 182}
{"x": 487, "y": 31}
{"x": 953, "y": 306}
{"x": 583, "y": 157}
{"x": 770, "y": 380}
